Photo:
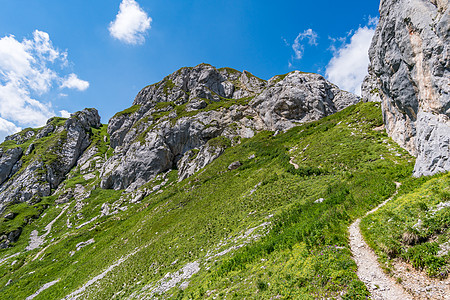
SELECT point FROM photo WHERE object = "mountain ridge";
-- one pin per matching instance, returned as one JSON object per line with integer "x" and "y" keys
{"x": 218, "y": 184}
{"x": 194, "y": 105}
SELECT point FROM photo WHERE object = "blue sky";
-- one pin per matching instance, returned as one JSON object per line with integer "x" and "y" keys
{"x": 57, "y": 57}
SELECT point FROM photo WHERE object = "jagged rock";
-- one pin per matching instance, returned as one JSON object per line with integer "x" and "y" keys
{"x": 76, "y": 141}
{"x": 410, "y": 69}
{"x": 11, "y": 237}
{"x": 7, "y": 161}
{"x": 140, "y": 162}
{"x": 105, "y": 209}
{"x": 64, "y": 197}
{"x": 195, "y": 105}
{"x": 370, "y": 89}
{"x": 234, "y": 165}
{"x": 194, "y": 160}
{"x": 45, "y": 172}
{"x": 22, "y": 136}
{"x": 86, "y": 160}
{"x": 14, "y": 235}
{"x": 10, "y": 216}
{"x": 49, "y": 128}
{"x": 30, "y": 149}
{"x": 299, "y": 97}
{"x": 433, "y": 142}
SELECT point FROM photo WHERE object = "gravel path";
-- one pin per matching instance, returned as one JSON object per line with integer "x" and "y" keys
{"x": 380, "y": 285}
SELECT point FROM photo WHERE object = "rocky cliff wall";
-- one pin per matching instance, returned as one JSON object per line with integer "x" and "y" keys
{"x": 409, "y": 73}
{"x": 34, "y": 162}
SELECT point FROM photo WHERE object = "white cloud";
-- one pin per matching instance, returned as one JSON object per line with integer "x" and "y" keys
{"x": 27, "y": 73}
{"x": 73, "y": 82}
{"x": 350, "y": 61}
{"x": 373, "y": 21}
{"x": 298, "y": 47}
{"x": 7, "y": 128}
{"x": 131, "y": 23}
{"x": 64, "y": 113}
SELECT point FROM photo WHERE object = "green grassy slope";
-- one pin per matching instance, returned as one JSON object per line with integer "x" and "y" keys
{"x": 263, "y": 230}
{"x": 414, "y": 226}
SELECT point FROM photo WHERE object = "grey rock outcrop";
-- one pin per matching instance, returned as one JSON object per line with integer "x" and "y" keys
{"x": 44, "y": 171}
{"x": 11, "y": 237}
{"x": 298, "y": 98}
{"x": 433, "y": 142}
{"x": 7, "y": 161}
{"x": 21, "y": 137}
{"x": 410, "y": 73}
{"x": 77, "y": 139}
{"x": 371, "y": 90}
{"x": 171, "y": 122}
{"x": 194, "y": 160}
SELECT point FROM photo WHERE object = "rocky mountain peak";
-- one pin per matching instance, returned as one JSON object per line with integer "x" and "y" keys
{"x": 187, "y": 109}
{"x": 203, "y": 81}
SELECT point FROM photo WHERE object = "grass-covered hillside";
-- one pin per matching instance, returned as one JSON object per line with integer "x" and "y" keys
{"x": 274, "y": 227}
{"x": 415, "y": 226}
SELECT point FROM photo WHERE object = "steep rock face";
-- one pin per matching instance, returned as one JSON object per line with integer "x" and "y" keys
{"x": 194, "y": 160}
{"x": 299, "y": 98}
{"x": 193, "y": 106}
{"x": 8, "y": 160}
{"x": 44, "y": 166}
{"x": 410, "y": 74}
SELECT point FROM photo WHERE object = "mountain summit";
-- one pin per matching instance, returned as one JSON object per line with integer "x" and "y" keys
{"x": 193, "y": 107}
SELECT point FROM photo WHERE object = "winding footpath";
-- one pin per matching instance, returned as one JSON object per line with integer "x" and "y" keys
{"x": 380, "y": 285}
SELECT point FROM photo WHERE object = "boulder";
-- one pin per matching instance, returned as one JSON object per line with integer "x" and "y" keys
{"x": 234, "y": 165}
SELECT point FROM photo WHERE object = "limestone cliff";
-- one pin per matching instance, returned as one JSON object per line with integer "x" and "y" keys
{"x": 35, "y": 161}
{"x": 409, "y": 73}
{"x": 186, "y": 120}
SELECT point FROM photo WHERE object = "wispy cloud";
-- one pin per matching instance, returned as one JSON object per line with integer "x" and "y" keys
{"x": 131, "y": 23}
{"x": 64, "y": 113}
{"x": 28, "y": 70}
{"x": 373, "y": 21}
{"x": 298, "y": 47}
{"x": 73, "y": 82}
{"x": 350, "y": 61}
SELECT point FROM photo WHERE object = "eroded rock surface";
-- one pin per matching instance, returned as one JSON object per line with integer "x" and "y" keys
{"x": 171, "y": 122}
{"x": 410, "y": 73}
{"x": 8, "y": 160}
{"x": 39, "y": 173}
